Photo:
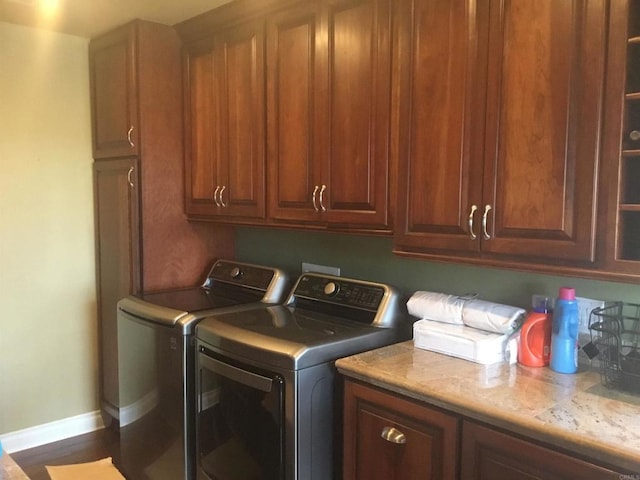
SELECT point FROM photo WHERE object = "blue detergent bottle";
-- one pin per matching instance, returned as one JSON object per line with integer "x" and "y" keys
{"x": 564, "y": 335}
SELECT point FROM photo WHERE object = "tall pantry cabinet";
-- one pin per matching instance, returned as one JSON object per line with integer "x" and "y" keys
{"x": 143, "y": 240}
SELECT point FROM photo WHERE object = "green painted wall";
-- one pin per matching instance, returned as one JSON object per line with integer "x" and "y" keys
{"x": 371, "y": 258}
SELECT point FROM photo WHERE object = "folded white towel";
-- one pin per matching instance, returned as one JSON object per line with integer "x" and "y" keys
{"x": 492, "y": 317}
{"x": 460, "y": 341}
{"x": 465, "y": 310}
{"x": 440, "y": 307}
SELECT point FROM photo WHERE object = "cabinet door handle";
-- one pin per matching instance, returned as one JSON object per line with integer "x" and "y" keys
{"x": 393, "y": 435}
{"x": 215, "y": 195}
{"x": 220, "y": 196}
{"x": 322, "y": 190}
{"x": 486, "y": 235}
{"x": 129, "y": 136}
{"x": 471, "y": 215}
{"x": 129, "y": 173}
{"x": 313, "y": 198}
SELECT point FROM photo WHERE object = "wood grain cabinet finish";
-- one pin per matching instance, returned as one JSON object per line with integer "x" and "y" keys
{"x": 225, "y": 136}
{"x": 117, "y": 209}
{"x": 328, "y": 71}
{"x": 621, "y": 174}
{"x": 143, "y": 239}
{"x": 491, "y": 455}
{"x": 500, "y": 114}
{"x": 114, "y": 100}
{"x": 387, "y": 437}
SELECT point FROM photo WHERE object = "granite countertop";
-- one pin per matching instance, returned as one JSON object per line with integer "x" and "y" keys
{"x": 575, "y": 412}
{"x": 9, "y": 469}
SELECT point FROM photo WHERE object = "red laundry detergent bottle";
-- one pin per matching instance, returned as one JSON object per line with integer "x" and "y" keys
{"x": 534, "y": 348}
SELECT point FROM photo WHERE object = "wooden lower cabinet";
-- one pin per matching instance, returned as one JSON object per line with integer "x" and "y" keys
{"x": 117, "y": 211}
{"x": 388, "y": 437}
{"x": 491, "y": 455}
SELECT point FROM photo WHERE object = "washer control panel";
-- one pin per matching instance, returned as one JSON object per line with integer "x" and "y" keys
{"x": 340, "y": 291}
{"x": 243, "y": 275}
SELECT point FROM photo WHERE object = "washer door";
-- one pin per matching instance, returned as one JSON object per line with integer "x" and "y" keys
{"x": 239, "y": 422}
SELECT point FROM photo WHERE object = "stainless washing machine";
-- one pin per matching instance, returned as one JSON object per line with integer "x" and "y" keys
{"x": 269, "y": 403}
{"x": 156, "y": 364}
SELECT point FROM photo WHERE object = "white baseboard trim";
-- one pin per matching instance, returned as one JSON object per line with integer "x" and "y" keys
{"x": 51, "y": 432}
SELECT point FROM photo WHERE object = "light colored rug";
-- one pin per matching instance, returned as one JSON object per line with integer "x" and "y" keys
{"x": 99, "y": 470}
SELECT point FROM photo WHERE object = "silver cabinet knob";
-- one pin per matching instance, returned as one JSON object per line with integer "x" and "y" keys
{"x": 392, "y": 435}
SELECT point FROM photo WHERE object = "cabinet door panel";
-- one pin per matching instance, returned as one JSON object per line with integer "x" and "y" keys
{"x": 491, "y": 455}
{"x": 114, "y": 97}
{"x": 294, "y": 84}
{"x": 240, "y": 86}
{"x": 360, "y": 64}
{"x": 201, "y": 124}
{"x": 118, "y": 257}
{"x": 430, "y": 438}
{"x": 441, "y": 123}
{"x": 543, "y": 126}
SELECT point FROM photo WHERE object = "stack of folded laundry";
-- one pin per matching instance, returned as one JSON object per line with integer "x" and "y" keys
{"x": 465, "y": 327}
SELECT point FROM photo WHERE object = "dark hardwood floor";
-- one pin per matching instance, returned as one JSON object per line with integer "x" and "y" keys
{"x": 83, "y": 448}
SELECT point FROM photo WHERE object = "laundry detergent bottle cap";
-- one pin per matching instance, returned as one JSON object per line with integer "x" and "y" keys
{"x": 535, "y": 340}
{"x": 567, "y": 293}
{"x": 564, "y": 335}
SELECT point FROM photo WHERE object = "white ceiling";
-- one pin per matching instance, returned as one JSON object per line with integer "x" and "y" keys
{"x": 88, "y": 18}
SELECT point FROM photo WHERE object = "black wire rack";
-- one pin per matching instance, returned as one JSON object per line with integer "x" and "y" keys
{"x": 615, "y": 330}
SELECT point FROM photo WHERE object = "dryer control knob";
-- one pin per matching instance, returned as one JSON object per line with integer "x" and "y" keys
{"x": 331, "y": 288}
{"x": 235, "y": 272}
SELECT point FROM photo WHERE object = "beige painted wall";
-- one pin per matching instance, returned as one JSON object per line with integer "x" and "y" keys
{"x": 48, "y": 360}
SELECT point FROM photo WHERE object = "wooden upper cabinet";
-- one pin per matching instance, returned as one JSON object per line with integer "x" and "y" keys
{"x": 225, "y": 147}
{"x": 544, "y": 105}
{"x": 296, "y": 79}
{"x": 329, "y": 68}
{"x": 200, "y": 130}
{"x": 358, "y": 173}
{"x": 500, "y": 113}
{"x": 113, "y": 78}
{"x": 440, "y": 122}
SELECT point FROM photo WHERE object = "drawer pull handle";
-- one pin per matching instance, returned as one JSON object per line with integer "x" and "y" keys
{"x": 322, "y": 190}
{"x": 131, "y": 144}
{"x": 471, "y": 214}
{"x": 486, "y": 235}
{"x": 129, "y": 174}
{"x": 313, "y": 198}
{"x": 222, "y": 204}
{"x": 393, "y": 435}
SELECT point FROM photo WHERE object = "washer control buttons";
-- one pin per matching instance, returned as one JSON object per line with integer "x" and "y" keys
{"x": 331, "y": 288}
